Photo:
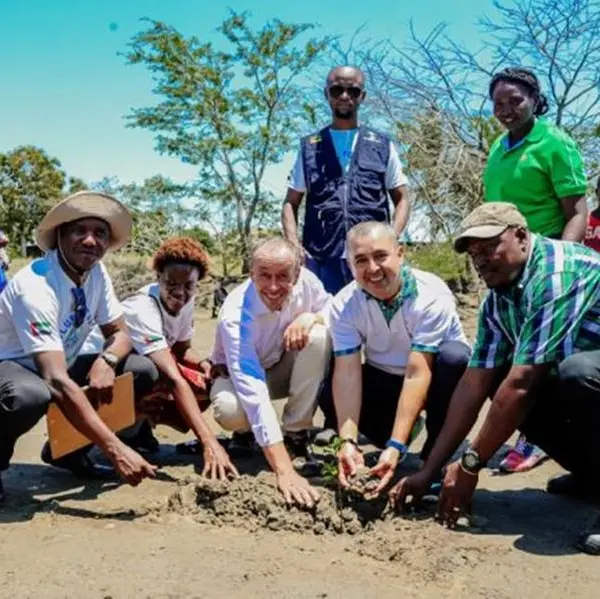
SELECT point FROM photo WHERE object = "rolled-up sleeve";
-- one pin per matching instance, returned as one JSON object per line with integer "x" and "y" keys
{"x": 248, "y": 378}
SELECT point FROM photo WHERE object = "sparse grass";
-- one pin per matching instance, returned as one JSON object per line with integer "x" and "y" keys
{"x": 442, "y": 260}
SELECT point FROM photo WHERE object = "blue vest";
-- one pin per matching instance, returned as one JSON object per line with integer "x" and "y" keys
{"x": 336, "y": 201}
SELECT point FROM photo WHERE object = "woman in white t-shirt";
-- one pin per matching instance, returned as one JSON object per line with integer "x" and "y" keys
{"x": 160, "y": 321}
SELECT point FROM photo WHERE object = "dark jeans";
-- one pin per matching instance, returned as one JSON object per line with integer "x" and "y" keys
{"x": 381, "y": 392}
{"x": 334, "y": 273}
{"x": 565, "y": 417}
{"x": 24, "y": 396}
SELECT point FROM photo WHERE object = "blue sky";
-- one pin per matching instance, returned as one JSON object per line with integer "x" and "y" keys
{"x": 65, "y": 89}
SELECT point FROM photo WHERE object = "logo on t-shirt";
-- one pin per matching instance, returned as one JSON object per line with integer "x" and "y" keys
{"x": 370, "y": 136}
{"x": 314, "y": 139}
{"x": 42, "y": 327}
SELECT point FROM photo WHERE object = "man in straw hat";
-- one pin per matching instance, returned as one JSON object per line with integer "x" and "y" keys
{"x": 46, "y": 312}
{"x": 537, "y": 355}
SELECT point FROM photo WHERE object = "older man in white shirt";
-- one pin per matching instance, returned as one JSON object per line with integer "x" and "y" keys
{"x": 272, "y": 338}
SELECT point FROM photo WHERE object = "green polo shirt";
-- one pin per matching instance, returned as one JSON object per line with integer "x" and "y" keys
{"x": 534, "y": 174}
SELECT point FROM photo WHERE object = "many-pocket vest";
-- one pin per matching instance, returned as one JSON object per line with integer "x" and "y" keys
{"x": 336, "y": 201}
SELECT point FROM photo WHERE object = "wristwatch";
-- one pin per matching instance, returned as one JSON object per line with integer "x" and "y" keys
{"x": 110, "y": 359}
{"x": 470, "y": 462}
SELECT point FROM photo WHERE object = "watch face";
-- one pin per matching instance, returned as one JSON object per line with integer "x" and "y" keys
{"x": 470, "y": 460}
{"x": 110, "y": 358}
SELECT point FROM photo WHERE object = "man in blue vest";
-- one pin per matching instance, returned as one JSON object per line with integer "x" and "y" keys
{"x": 346, "y": 172}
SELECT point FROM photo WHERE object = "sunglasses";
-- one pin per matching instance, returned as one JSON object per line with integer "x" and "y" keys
{"x": 335, "y": 91}
{"x": 80, "y": 306}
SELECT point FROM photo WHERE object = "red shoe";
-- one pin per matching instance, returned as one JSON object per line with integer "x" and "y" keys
{"x": 524, "y": 456}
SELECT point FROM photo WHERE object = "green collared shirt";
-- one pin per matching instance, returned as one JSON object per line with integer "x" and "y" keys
{"x": 551, "y": 312}
{"x": 408, "y": 290}
{"x": 535, "y": 174}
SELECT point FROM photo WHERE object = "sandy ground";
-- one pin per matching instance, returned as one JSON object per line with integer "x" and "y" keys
{"x": 172, "y": 537}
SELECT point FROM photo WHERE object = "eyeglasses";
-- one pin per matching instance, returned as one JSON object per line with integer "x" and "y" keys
{"x": 335, "y": 91}
{"x": 80, "y": 306}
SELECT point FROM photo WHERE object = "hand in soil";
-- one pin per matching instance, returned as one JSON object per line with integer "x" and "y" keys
{"x": 363, "y": 483}
{"x": 385, "y": 469}
{"x": 414, "y": 486}
{"x": 457, "y": 494}
{"x": 296, "y": 489}
{"x": 131, "y": 466}
{"x": 217, "y": 463}
{"x": 350, "y": 459}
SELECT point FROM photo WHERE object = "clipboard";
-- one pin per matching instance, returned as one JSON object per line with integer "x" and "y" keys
{"x": 64, "y": 438}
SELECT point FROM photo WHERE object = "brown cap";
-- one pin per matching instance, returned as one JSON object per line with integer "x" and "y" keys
{"x": 486, "y": 221}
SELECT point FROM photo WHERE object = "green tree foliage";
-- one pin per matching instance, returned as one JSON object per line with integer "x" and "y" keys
{"x": 231, "y": 114}
{"x": 154, "y": 206}
{"x": 203, "y": 237}
{"x": 31, "y": 181}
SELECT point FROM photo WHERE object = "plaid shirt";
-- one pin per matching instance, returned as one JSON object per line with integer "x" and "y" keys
{"x": 551, "y": 312}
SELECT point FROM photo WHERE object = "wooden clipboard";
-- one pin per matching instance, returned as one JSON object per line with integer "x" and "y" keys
{"x": 64, "y": 438}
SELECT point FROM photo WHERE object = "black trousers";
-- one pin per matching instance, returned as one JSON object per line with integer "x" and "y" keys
{"x": 565, "y": 416}
{"x": 381, "y": 392}
{"x": 24, "y": 396}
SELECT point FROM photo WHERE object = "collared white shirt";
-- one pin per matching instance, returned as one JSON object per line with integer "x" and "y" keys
{"x": 249, "y": 340}
{"x": 151, "y": 327}
{"x": 37, "y": 310}
{"x": 426, "y": 319}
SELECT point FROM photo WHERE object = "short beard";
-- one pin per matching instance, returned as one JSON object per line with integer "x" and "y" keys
{"x": 346, "y": 116}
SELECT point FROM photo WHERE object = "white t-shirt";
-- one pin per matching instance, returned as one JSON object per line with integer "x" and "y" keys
{"x": 424, "y": 321}
{"x": 151, "y": 327}
{"x": 37, "y": 310}
{"x": 394, "y": 175}
{"x": 249, "y": 339}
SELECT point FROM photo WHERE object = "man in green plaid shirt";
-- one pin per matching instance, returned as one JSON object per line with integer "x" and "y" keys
{"x": 537, "y": 355}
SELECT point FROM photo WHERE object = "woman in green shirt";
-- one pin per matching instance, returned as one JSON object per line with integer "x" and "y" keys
{"x": 538, "y": 167}
{"x": 535, "y": 164}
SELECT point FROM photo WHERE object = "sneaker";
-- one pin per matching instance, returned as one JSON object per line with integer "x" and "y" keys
{"x": 324, "y": 437}
{"x": 195, "y": 447}
{"x": 80, "y": 465}
{"x": 144, "y": 439}
{"x": 524, "y": 456}
{"x": 589, "y": 540}
{"x": 298, "y": 445}
{"x": 242, "y": 445}
{"x": 571, "y": 485}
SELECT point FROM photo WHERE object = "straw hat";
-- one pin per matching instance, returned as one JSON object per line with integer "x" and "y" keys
{"x": 86, "y": 204}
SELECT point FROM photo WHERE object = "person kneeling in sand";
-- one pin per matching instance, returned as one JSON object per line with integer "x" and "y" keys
{"x": 46, "y": 312}
{"x": 160, "y": 319}
{"x": 272, "y": 341}
{"x": 405, "y": 321}
{"x": 536, "y": 355}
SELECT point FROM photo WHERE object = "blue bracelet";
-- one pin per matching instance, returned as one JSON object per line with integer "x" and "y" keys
{"x": 403, "y": 449}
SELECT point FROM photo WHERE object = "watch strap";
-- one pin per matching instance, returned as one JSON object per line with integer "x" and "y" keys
{"x": 110, "y": 359}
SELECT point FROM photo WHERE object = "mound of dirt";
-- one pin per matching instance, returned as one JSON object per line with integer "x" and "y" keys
{"x": 253, "y": 503}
